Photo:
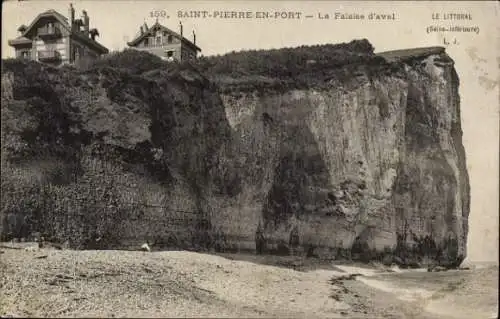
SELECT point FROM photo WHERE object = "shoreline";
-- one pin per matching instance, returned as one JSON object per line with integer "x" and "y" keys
{"x": 54, "y": 283}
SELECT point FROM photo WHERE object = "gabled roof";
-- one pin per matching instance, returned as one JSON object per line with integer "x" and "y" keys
{"x": 49, "y": 13}
{"x": 64, "y": 22}
{"x": 158, "y": 26}
{"x": 22, "y": 39}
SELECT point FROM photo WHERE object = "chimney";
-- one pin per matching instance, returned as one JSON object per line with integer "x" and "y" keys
{"x": 93, "y": 33}
{"x": 21, "y": 29}
{"x": 194, "y": 37}
{"x": 71, "y": 15}
{"x": 142, "y": 29}
{"x": 180, "y": 25}
{"x": 145, "y": 27}
{"x": 85, "y": 19}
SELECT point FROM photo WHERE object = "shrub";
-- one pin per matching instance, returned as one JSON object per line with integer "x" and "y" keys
{"x": 288, "y": 68}
{"x": 84, "y": 63}
{"x": 137, "y": 62}
{"x": 79, "y": 212}
{"x": 287, "y": 61}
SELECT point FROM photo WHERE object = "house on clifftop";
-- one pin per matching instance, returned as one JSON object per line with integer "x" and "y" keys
{"x": 54, "y": 39}
{"x": 165, "y": 43}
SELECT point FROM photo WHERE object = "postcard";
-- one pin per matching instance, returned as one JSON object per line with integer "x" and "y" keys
{"x": 316, "y": 159}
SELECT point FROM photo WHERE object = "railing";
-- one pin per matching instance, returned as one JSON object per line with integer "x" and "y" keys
{"x": 24, "y": 55}
{"x": 49, "y": 55}
{"x": 49, "y": 32}
{"x": 159, "y": 45}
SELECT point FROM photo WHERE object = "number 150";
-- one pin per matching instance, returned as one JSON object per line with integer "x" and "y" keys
{"x": 158, "y": 14}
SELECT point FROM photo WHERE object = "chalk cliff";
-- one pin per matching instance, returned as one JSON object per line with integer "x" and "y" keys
{"x": 360, "y": 152}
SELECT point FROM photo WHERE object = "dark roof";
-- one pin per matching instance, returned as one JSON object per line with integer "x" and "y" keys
{"x": 89, "y": 41}
{"x": 64, "y": 22}
{"x": 156, "y": 26}
{"x": 20, "y": 40}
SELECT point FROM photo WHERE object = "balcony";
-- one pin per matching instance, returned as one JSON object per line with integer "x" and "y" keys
{"x": 24, "y": 57}
{"x": 49, "y": 56}
{"x": 49, "y": 32}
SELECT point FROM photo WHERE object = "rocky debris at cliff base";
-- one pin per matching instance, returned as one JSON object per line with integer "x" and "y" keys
{"x": 436, "y": 269}
{"x": 340, "y": 279}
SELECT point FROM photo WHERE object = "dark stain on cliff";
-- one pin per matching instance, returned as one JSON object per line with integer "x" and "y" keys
{"x": 301, "y": 172}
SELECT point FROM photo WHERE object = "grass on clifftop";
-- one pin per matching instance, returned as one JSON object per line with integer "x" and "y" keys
{"x": 284, "y": 68}
{"x": 286, "y": 62}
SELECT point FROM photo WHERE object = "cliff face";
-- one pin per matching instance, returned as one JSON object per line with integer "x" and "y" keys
{"x": 361, "y": 160}
{"x": 364, "y": 156}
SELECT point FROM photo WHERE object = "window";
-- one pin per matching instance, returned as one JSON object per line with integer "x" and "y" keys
{"x": 158, "y": 40}
{"x": 170, "y": 55}
{"x": 77, "y": 53}
{"x": 50, "y": 46}
{"x": 25, "y": 54}
{"x": 169, "y": 39}
{"x": 146, "y": 42}
{"x": 418, "y": 222}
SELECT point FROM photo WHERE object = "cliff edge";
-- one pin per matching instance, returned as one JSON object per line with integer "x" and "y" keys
{"x": 358, "y": 154}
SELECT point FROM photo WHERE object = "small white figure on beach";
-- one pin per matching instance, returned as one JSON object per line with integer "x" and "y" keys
{"x": 145, "y": 247}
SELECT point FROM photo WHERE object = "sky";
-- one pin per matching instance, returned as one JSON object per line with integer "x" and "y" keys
{"x": 476, "y": 56}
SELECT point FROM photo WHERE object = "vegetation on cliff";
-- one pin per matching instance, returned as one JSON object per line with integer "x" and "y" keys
{"x": 289, "y": 68}
{"x": 103, "y": 144}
